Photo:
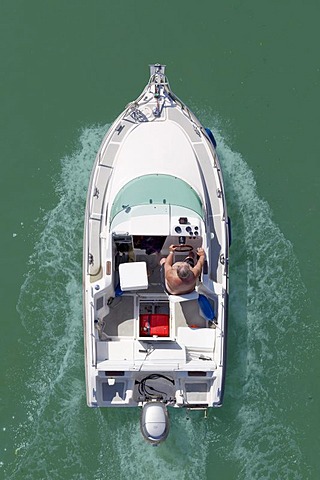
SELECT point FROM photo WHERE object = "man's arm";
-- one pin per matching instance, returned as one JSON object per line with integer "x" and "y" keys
{"x": 169, "y": 260}
{"x": 197, "y": 269}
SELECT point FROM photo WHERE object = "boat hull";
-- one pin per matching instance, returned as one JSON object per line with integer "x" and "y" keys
{"x": 156, "y": 181}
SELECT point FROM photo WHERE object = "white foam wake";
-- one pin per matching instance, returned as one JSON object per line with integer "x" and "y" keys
{"x": 267, "y": 297}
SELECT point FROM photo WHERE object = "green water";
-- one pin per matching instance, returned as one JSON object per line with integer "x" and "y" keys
{"x": 250, "y": 71}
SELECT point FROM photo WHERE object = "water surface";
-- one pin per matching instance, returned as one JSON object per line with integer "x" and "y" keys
{"x": 251, "y": 74}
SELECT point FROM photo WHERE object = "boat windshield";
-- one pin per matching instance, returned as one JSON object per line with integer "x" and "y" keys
{"x": 157, "y": 189}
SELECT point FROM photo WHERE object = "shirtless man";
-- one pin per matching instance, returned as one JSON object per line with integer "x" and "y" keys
{"x": 181, "y": 277}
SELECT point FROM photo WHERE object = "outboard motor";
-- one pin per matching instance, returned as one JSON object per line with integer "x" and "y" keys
{"x": 154, "y": 422}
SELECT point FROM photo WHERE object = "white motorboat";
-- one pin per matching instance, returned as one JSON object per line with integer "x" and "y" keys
{"x": 156, "y": 182}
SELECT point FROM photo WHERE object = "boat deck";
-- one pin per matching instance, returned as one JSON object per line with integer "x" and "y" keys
{"x": 140, "y": 339}
{"x": 121, "y": 321}
{"x": 126, "y": 309}
{"x": 182, "y": 338}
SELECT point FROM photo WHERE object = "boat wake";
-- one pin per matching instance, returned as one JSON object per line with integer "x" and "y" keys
{"x": 62, "y": 438}
{"x": 267, "y": 300}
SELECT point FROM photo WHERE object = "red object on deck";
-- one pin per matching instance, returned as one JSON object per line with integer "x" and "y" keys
{"x": 154, "y": 324}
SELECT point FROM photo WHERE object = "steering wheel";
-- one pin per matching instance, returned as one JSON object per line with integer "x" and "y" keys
{"x": 183, "y": 248}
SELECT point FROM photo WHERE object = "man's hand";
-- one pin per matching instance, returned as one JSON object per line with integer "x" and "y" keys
{"x": 172, "y": 248}
{"x": 200, "y": 252}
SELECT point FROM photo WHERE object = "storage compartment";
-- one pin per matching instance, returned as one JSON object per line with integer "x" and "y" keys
{"x": 154, "y": 324}
{"x": 133, "y": 276}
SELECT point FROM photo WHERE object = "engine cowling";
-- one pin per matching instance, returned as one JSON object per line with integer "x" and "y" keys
{"x": 154, "y": 422}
